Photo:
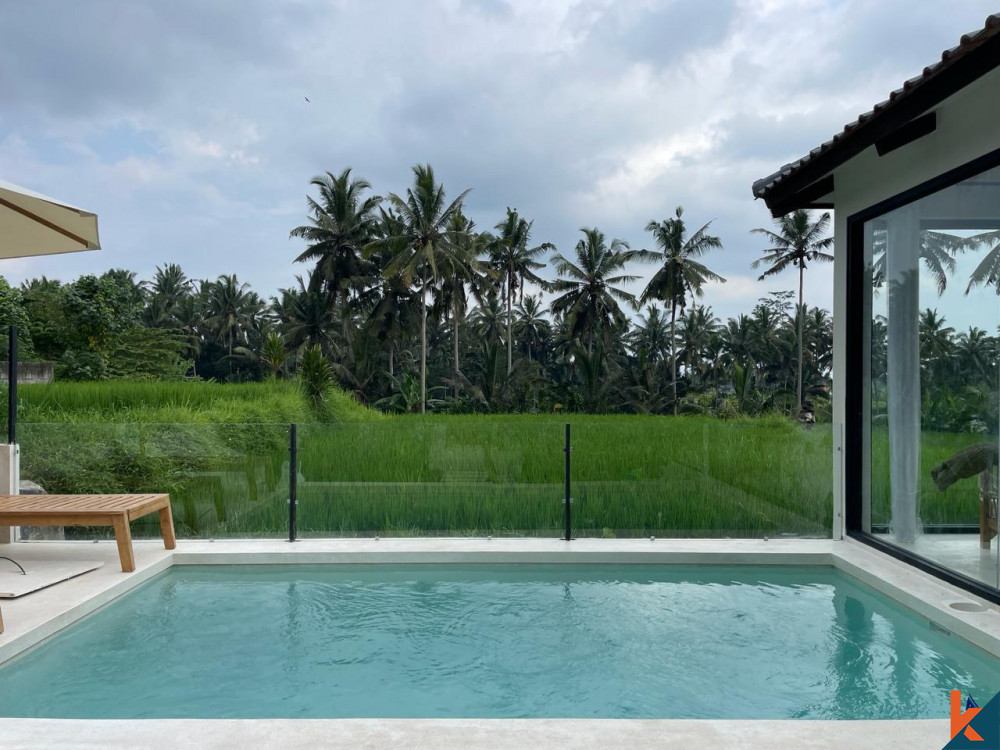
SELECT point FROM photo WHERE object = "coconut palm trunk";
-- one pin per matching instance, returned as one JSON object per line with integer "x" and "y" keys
{"x": 802, "y": 320}
{"x": 798, "y": 241}
{"x": 457, "y": 368}
{"x": 419, "y": 242}
{"x": 510, "y": 340}
{"x": 423, "y": 344}
{"x": 673, "y": 353}
{"x": 680, "y": 274}
{"x": 344, "y": 323}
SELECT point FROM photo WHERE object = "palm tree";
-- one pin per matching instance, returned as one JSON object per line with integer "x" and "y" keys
{"x": 487, "y": 320}
{"x": 316, "y": 374}
{"x": 597, "y": 379}
{"x": 936, "y": 346}
{"x": 643, "y": 392}
{"x": 680, "y": 273}
{"x": 461, "y": 270}
{"x": 391, "y": 303}
{"x": 424, "y": 242}
{"x": 937, "y": 251}
{"x": 170, "y": 283}
{"x": 189, "y": 316}
{"x": 306, "y": 318}
{"x": 879, "y": 349}
{"x": 271, "y": 355}
{"x": 766, "y": 342}
{"x": 515, "y": 263}
{"x": 532, "y": 328}
{"x": 340, "y": 224}
{"x": 698, "y": 327}
{"x": 988, "y": 271}
{"x": 393, "y": 316}
{"x": 591, "y": 291}
{"x": 128, "y": 282}
{"x": 819, "y": 338}
{"x": 155, "y": 314}
{"x": 737, "y": 339}
{"x": 798, "y": 241}
{"x": 232, "y": 310}
{"x": 976, "y": 351}
{"x": 652, "y": 336}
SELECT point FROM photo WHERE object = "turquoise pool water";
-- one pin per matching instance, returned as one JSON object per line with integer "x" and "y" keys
{"x": 498, "y": 641}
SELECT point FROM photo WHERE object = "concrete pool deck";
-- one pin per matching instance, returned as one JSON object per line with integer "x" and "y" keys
{"x": 33, "y": 618}
{"x": 464, "y": 734}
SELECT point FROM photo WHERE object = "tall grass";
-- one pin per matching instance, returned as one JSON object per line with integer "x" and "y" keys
{"x": 221, "y": 451}
{"x": 959, "y": 504}
{"x": 689, "y": 476}
{"x": 178, "y": 402}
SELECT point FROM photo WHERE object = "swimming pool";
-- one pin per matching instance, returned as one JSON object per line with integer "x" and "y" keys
{"x": 498, "y": 641}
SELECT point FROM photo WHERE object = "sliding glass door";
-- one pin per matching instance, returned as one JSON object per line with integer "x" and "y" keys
{"x": 930, "y": 384}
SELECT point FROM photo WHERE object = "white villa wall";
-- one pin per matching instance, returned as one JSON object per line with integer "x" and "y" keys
{"x": 968, "y": 126}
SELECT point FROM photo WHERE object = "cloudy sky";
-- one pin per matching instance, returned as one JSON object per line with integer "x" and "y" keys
{"x": 184, "y": 124}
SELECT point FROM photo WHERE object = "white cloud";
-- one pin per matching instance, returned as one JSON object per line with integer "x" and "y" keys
{"x": 185, "y": 125}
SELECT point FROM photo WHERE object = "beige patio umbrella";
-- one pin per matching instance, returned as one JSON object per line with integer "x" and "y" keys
{"x": 34, "y": 224}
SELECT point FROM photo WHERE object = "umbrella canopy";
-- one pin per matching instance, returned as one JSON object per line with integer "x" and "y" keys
{"x": 34, "y": 224}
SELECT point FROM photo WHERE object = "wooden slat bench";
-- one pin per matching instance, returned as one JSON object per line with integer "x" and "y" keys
{"x": 91, "y": 510}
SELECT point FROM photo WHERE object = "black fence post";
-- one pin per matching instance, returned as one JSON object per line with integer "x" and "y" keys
{"x": 293, "y": 474}
{"x": 12, "y": 385}
{"x": 568, "y": 500}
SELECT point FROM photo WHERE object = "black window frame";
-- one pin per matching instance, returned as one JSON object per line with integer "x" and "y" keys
{"x": 857, "y": 459}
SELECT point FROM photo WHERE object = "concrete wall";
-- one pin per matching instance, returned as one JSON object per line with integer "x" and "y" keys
{"x": 29, "y": 372}
{"x": 967, "y": 128}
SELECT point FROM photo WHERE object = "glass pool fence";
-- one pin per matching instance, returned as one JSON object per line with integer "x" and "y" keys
{"x": 574, "y": 478}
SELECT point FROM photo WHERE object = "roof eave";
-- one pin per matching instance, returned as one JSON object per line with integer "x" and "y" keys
{"x": 795, "y": 185}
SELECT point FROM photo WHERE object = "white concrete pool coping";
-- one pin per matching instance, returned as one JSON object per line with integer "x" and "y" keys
{"x": 31, "y": 619}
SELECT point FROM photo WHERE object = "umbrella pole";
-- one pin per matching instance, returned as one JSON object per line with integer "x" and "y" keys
{"x": 10, "y": 469}
{"x": 12, "y": 385}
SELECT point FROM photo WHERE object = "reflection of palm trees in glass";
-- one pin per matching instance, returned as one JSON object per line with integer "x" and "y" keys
{"x": 937, "y": 251}
{"x": 977, "y": 352}
{"x": 879, "y": 368}
{"x": 936, "y": 346}
{"x": 879, "y": 345}
{"x": 988, "y": 271}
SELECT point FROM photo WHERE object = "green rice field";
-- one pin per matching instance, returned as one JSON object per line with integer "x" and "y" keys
{"x": 222, "y": 452}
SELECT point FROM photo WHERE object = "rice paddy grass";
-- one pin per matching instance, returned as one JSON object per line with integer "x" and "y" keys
{"x": 222, "y": 452}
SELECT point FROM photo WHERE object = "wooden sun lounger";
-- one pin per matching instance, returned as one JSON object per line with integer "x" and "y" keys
{"x": 91, "y": 510}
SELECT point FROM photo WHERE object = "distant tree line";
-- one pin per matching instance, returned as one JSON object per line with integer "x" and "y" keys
{"x": 407, "y": 304}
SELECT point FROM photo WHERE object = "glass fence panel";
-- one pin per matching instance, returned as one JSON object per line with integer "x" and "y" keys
{"x": 701, "y": 477}
{"x": 630, "y": 476}
{"x": 406, "y": 476}
{"x": 224, "y": 480}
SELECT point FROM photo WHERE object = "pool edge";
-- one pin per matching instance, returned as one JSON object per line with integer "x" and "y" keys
{"x": 924, "y": 595}
{"x": 461, "y": 734}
